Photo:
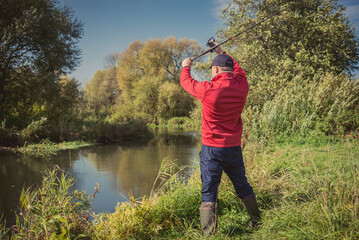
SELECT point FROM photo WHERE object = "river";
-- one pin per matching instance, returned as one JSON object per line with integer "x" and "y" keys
{"x": 118, "y": 169}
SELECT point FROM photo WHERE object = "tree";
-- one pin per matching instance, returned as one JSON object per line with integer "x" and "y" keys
{"x": 298, "y": 65}
{"x": 144, "y": 67}
{"x": 102, "y": 91}
{"x": 111, "y": 61}
{"x": 311, "y": 36}
{"x": 39, "y": 43}
{"x": 173, "y": 101}
{"x": 60, "y": 109}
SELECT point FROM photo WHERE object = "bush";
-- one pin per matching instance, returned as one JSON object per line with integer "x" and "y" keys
{"x": 173, "y": 101}
{"x": 328, "y": 104}
{"x": 180, "y": 122}
{"x": 102, "y": 131}
{"x": 35, "y": 131}
{"x": 8, "y": 137}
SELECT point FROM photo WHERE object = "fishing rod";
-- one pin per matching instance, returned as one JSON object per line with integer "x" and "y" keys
{"x": 211, "y": 40}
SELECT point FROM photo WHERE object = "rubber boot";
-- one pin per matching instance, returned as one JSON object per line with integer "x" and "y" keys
{"x": 250, "y": 202}
{"x": 208, "y": 213}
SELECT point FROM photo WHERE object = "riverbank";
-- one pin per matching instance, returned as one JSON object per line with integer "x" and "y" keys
{"x": 306, "y": 188}
{"x": 87, "y": 135}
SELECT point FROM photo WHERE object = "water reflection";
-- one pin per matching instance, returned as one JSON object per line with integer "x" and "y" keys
{"x": 123, "y": 169}
{"x": 118, "y": 169}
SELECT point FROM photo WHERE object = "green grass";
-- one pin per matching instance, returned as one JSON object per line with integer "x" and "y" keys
{"x": 46, "y": 148}
{"x": 305, "y": 190}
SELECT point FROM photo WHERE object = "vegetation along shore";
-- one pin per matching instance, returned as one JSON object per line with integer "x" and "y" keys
{"x": 301, "y": 122}
{"x": 306, "y": 188}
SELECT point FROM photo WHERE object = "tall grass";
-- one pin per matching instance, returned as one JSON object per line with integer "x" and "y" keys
{"x": 313, "y": 191}
{"x": 54, "y": 210}
{"x": 327, "y": 104}
{"x": 3, "y": 230}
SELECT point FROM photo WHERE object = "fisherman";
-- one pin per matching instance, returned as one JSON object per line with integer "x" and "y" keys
{"x": 223, "y": 100}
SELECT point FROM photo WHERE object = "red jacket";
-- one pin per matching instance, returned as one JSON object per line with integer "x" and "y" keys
{"x": 223, "y": 100}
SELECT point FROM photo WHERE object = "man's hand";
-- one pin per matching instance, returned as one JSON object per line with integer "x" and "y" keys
{"x": 218, "y": 49}
{"x": 187, "y": 62}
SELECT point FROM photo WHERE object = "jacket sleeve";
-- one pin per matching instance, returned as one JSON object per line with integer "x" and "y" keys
{"x": 237, "y": 68}
{"x": 192, "y": 86}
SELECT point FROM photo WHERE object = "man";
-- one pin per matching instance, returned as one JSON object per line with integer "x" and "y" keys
{"x": 223, "y": 99}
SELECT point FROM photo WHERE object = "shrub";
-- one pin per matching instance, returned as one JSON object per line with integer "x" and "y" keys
{"x": 180, "y": 122}
{"x": 328, "y": 104}
{"x": 34, "y": 131}
{"x": 173, "y": 101}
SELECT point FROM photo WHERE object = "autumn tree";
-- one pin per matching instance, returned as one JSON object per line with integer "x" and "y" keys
{"x": 102, "y": 91}
{"x": 145, "y": 68}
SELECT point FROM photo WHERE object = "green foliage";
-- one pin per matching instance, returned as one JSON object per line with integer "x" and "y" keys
{"x": 180, "y": 122}
{"x": 34, "y": 131}
{"x": 173, "y": 101}
{"x": 298, "y": 67}
{"x": 102, "y": 91}
{"x": 310, "y": 37}
{"x": 3, "y": 230}
{"x": 316, "y": 190}
{"x": 54, "y": 210}
{"x": 39, "y": 44}
{"x": 63, "y": 107}
{"x": 196, "y": 115}
{"x": 124, "y": 133}
{"x": 327, "y": 105}
{"x": 8, "y": 136}
{"x": 41, "y": 138}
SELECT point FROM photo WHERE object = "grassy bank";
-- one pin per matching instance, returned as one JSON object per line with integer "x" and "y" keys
{"x": 306, "y": 190}
{"x": 46, "y": 147}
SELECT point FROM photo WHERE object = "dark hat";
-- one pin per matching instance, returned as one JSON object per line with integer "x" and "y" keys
{"x": 222, "y": 60}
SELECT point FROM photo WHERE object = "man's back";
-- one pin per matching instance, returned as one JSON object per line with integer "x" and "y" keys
{"x": 221, "y": 108}
{"x": 223, "y": 100}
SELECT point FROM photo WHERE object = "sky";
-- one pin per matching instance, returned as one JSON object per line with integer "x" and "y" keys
{"x": 110, "y": 26}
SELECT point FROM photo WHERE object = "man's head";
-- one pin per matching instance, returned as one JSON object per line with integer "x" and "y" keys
{"x": 220, "y": 63}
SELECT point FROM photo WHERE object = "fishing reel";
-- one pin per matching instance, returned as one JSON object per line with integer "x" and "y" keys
{"x": 210, "y": 43}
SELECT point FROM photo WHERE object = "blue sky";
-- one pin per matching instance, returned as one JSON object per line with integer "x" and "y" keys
{"x": 111, "y": 25}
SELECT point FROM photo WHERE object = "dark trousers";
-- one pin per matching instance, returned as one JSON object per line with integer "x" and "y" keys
{"x": 213, "y": 161}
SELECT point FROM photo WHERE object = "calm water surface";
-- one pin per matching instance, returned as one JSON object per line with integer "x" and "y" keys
{"x": 118, "y": 169}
